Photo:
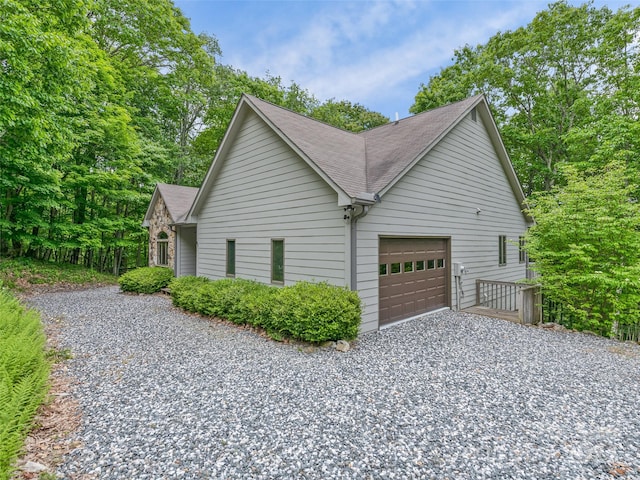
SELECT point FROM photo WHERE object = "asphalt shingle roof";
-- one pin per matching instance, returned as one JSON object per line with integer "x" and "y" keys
{"x": 365, "y": 162}
{"x": 178, "y": 200}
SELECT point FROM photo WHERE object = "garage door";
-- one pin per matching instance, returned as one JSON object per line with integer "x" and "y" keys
{"x": 414, "y": 275}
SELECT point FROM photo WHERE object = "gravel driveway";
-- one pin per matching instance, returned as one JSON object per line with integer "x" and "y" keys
{"x": 458, "y": 396}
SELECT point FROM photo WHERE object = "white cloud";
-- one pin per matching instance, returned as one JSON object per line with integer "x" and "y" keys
{"x": 359, "y": 51}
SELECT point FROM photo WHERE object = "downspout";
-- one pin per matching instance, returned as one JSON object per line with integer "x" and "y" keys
{"x": 354, "y": 243}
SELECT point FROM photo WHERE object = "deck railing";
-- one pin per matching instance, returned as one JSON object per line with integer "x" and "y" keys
{"x": 511, "y": 297}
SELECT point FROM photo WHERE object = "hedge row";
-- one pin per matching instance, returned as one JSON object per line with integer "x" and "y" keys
{"x": 145, "y": 279}
{"x": 312, "y": 312}
{"x": 24, "y": 371}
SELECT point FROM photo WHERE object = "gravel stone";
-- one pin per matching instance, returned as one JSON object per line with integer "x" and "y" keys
{"x": 451, "y": 395}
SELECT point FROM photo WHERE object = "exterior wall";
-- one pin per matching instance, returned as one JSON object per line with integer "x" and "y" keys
{"x": 159, "y": 222}
{"x": 439, "y": 197}
{"x": 264, "y": 191}
{"x": 185, "y": 251}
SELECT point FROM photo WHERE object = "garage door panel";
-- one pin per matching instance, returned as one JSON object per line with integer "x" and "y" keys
{"x": 416, "y": 277}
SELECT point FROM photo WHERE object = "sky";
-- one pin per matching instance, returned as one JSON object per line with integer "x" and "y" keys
{"x": 375, "y": 53}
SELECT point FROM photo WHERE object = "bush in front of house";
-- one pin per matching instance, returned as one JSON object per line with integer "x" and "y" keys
{"x": 312, "y": 312}
{"x": 185, "y": 292}
{"x": 316, "y": 312}
{"x": 145, "y": 279}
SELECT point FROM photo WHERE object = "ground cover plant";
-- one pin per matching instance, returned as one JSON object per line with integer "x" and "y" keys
{"x": 20, "y": 274}
{"x": 145, "y": 279}
{"x": 311, "y": 312}
{"x": 24, "y": 371}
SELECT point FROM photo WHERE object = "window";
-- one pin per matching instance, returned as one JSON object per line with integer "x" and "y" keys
{"x": 502, "y": 250}
{"x": 231, "y": 258}
{"x": 277, "y": 261}
{"x": 522, "y": 254}
{"x": 408, "y": 267}
{"x": 383, "y": 269}
{"x": 162, "y": 249}
{"x": 431, "y": 264}
{"x": 441, "y": 263}
{"x": 395, "y": 267}
{"x": 419, "y": 265}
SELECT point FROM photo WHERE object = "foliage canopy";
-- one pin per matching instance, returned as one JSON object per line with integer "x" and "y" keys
{"x": 586, "y": 247}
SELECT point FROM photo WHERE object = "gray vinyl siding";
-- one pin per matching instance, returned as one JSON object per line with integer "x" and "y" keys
{"x": 186, "y": 251}
{"x": 265, "y": 191}
{"x": 438, "y": 197}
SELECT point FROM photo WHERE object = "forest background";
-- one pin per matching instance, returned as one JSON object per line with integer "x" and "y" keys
{"x": 101, "y": 100}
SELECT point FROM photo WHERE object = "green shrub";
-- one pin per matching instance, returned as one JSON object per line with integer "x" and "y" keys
{"x": 316, "y": 312}
{"x": 305, "y": 311}
{"x": 24, "y": 371}
{"x": 185, "y": 292}
{"x": 145, "y": 279}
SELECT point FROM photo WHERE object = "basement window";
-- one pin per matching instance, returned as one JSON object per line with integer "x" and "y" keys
{"x": 162, "y": 249}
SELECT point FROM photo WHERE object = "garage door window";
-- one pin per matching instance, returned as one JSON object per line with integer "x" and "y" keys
{"x": 395, "y": 267}
{"x": 431, "y": 264}
{"x": 383, "y": 269}
{"x": 408, "y": 267}
{"x": 441, "y": 263}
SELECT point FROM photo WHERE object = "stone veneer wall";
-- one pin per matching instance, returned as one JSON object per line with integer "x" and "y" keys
{"x": 159, "y": 222}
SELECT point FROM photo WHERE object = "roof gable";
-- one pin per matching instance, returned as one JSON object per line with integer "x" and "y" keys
{"x": 395, "y": 147}
{"x": 338, "y": 153}
{"x": 178, "y": 200}
{"x": 364, "y": 165}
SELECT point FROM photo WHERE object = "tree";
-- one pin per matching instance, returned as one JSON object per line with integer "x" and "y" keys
{"x": 348, "y": 116}
{"x": 223, "y": 97}
{"x": 46, "y": 69}
{"x": 586, "y": 247}
{"x": 549, "y": 81}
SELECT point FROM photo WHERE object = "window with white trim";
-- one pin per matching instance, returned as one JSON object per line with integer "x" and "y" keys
{"x": 162, "y": 249}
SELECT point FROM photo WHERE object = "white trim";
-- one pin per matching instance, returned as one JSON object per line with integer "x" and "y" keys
{"x": 415, "y": 317}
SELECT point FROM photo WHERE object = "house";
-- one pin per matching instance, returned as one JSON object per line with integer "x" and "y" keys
{"x": 172, "y": 241}
{"x": 398, "y": 212}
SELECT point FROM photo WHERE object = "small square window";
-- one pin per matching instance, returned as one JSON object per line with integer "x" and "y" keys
{"x": 419, "y": 265}
{"x": 383, "y": 269}
{"x": 395, "y": 267}
{"x": 441, "y": 263}
{"x": 431, "y": 264}
{"x": 408, "y": 267}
